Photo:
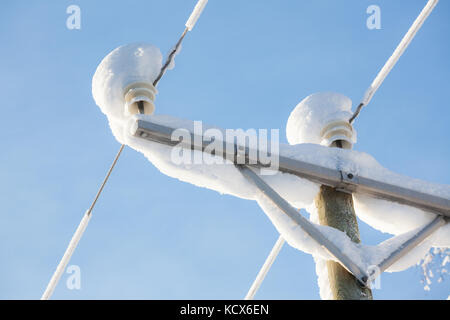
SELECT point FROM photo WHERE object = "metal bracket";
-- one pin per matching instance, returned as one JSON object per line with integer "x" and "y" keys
{"x": 348, "y": 183}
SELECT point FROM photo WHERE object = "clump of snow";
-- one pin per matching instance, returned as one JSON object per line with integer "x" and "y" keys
{"x": 434, "y": 266}
{"x": 137, "y": 62}
{"x": 223, "y": 178}
{"x": 396, "y": 218}
{"x": 390, "y": 217}
{"x": 311, "y": 115}
{"x": 323, "y": 280}
{"x": 176, "y": 52}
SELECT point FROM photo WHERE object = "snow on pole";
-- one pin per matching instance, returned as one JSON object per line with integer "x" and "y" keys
{"x": 190, "y": 23}
{"x": 67, "y": 255}
{"x": 409, "y": 36}
{"x": 265, "y": 268}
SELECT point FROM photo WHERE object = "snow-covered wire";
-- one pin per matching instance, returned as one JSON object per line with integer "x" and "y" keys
{"x": 265, "y": 268}
{"x": 77, "y": 235}
{"x": 409, "y": 36}
{"x": 190, "y": 23}
{"x": 66, "y": 257}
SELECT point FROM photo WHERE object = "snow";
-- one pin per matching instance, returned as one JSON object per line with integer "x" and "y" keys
{"x": 386, "y": 216}
{"x": 137, "y": 62}
{"x": 364, "y": 256}
{"x": 323, "y": 280}
{"x": 359, "y": 163}
{"x": 176, "y": 51}
{"x": 141, "y": 62}
{"x": 400, "y": 219}
{"x": 312, "y": 114}
{"x": 433, "y": 266}
{"x": 223, "y": 178}
{"x": 304, "y": 132}
{"x": 199, "y": 7}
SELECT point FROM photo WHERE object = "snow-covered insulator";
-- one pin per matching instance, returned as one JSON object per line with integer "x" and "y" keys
{"x": 139, "y": 98}
{"x": 338, "y": 131}
{"x": 322, "y": 118}
{"x": 124, "y": 80}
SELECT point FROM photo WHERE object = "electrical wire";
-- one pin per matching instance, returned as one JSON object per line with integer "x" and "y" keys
{"x": 398, "y": 52}
{"x": 265, "y": 268}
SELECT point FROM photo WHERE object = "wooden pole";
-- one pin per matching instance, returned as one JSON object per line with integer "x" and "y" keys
{"x": 335, "y": 209}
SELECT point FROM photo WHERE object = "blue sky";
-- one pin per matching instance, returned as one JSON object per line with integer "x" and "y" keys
{"x": 245, "y": 65}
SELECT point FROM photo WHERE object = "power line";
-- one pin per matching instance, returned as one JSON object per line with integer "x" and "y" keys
{"x": 86, "y": 218}
{"x": 265, "y": 268}
{"x": 77, "y": 235}
{"x": 398, "y": 52}
{"x": 170, "y": 58}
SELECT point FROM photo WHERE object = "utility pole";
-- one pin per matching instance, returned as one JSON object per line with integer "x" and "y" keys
{"x": 335, "y": 209}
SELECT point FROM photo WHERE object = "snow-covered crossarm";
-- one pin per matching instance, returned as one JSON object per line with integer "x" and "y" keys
{"x": 345, "y": 180}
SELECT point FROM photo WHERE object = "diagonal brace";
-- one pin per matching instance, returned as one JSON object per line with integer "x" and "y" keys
{"x": 306, "y": 225}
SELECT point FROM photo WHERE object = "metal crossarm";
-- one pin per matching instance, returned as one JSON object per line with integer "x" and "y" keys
{"x": 345, "y": 181}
